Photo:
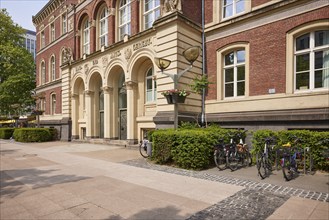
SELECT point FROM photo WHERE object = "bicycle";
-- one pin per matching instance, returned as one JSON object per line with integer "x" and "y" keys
{"x": 220, "y": 155}
{"x": 238, "y": 153}
{"x": 265, "y": 160}
{"x": 143, "y": 148}
{"x": 294, "y": 158}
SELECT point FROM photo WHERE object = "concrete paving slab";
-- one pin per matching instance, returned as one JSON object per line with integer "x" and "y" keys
{"x": 299, "y": 208}
{"x": 90, "y": 181}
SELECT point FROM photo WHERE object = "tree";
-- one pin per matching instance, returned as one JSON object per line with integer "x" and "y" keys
{"x": 17, "y": 69}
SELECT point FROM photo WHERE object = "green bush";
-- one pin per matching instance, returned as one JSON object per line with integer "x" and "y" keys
{"x": 309, "y": 139}
{"x": 53, "y": 134}
{"x": 188, "y": 148}
{"x": 6, "y": 133}
{"x": 32, "y": 134}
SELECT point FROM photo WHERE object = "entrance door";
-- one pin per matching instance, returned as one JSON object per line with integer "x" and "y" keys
{"x": 123, "y": 124}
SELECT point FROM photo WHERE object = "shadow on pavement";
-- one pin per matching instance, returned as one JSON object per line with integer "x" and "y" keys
{"x": 16, "y": 182}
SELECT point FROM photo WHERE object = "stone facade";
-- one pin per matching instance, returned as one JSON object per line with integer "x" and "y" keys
{"x": 108, "y": 87}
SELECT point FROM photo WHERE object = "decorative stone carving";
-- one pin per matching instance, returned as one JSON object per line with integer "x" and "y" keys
{"x": 130, "y": 85}
{"x": 112, "y": 11}
{"x": 78, "y": 68}
{"x": 170, "y": 5}
{"x": 67, "y": 55}
{"x": 105, "y": 61}
{"x": 86, "y": 68}
{"x": 88, "y": 92}
{"x": 107, "y": 89}
{"x": 70, "y": 24}
{"x": 128, "y": 52}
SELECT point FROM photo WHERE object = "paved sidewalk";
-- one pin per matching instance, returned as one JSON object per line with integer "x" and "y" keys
{"x": 60, "y": 180}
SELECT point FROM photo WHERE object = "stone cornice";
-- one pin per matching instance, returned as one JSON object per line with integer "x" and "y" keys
{"x": 47, "y": 10}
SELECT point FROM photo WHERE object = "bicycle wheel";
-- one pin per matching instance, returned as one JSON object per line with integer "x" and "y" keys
{"x": 219, "y": 158}
{"x": 233, "y": 161}
{"x": 143, "y": 150}
{"x": 261, "y": 166}
{"x": 287, "y": 169}
{"x": 248, "y": 159}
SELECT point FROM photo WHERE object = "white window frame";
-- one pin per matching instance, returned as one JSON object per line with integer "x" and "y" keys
{"x": 52, "y": 68}
{"x": 235, "y": 66}
{"x": 64, "y": 23}
{"x": 234, "y": 8}
{"x": 311, "y": 52}
{"x": 52, "y": 32}
{"x": 125, "y": 13}
{"x": 86, "y": 37}
{"x": 153, "y": 12}
{"x": 53, "y": 103}
{"x": 153, "y": 90}
{"x": 103, "y": 20}
{"x": 42, "y": 39}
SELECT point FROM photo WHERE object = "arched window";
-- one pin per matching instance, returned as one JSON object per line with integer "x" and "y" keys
{"x": 43, "y": 73}
{"x": 151, "y": 86}
{"x": 52, "y": 68}
{"x": 86, "y": 37}
{"x": 53, "y": 104}
{"x": 103, "y": 27}
{"x": 151, "y": 12}
{"x": 124, "y": 18}
{"x": 234, "y": 73}
{"x": 311, "y": 58}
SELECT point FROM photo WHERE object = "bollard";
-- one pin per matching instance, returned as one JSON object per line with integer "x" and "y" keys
{"x": 149, "y": 149}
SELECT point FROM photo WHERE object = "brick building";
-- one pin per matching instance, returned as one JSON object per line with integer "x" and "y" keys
{"x": 97, "y": 78}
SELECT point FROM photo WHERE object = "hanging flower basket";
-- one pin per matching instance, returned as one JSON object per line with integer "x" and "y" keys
{"x": 169, "y": 98}
{"x": 175, "y": 95}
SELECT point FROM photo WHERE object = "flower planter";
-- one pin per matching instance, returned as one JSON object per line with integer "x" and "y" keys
{"x": 169, "y": 98}
{"x": 178, "y": 99}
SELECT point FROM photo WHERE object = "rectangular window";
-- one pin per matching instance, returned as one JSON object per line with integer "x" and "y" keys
{"x": 64, "y": 24}
{"x": 312, "y": 61}
{"x": 233, "y": 7}
{"x": 43, "y": 40}
{"x": 124, "y": 18}
{"x": 52, "y": 32}
{"x": 151, "y": 12}
{"x": 234, "y": 74}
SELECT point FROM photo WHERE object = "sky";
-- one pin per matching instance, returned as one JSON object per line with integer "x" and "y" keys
{"x": 21, "y": 11}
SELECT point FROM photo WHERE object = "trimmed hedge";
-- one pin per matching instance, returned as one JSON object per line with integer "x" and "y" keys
{"x": 310, "y": 139}
{"x": 32, "y": 134}
{"x": 188, "y": 148}
{"x": 6, "y": 133}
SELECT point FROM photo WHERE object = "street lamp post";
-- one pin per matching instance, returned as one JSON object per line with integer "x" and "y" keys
{"x": 190, "y": 54}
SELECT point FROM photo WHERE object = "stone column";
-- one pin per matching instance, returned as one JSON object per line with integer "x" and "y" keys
{"x": 75, "y": 115}
{"x": 131, "y": 111}
{"x": 108, "y": 91}
{"x": 89, "y": 96}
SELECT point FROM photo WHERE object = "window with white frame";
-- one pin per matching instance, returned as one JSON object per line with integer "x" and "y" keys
{"x": 312, "y": 61}
{"x": 43, "y": 39}
{"x": 232, "y": 7}
{"x": 64, "y": 23}
{"x": 53, "y": 104}
{"x": 151, "y": 86}
{"x": 124, "y": 18}
{"x": 234, "y": 74}
{"x": 43, "y": 72}
{"x": 52, "y": 31}
{"x": 86, "y": 37}
{"x": 52, "y": 68}
{"x": 151, "y": 12}
{"x": 103, "y": 27}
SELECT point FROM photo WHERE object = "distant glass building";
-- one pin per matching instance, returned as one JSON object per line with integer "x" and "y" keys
{"x": 30, "y": 42}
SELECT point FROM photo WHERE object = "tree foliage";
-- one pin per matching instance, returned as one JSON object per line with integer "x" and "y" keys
{"x": 17, "y": 69}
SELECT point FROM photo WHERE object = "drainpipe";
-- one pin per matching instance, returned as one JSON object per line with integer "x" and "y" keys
{"x": 203, "y": 121}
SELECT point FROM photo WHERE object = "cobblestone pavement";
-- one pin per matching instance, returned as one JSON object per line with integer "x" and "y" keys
{"x": 257, "y": 201}
{"x": 246, "y": 204}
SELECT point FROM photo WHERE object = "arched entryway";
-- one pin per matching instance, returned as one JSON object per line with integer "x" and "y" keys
{"x": 78, "y": 109}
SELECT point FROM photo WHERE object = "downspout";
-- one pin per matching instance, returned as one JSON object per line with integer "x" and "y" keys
{"x": 203, "y": 118}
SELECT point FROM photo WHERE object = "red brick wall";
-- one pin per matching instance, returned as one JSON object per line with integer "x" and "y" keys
{"x": 267, "y": 53}
{"x": 58, "y": 92}
{"x": 255, "y": 3}
{"x": 192, "y": 9}
{"x": 208, "y": 11}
